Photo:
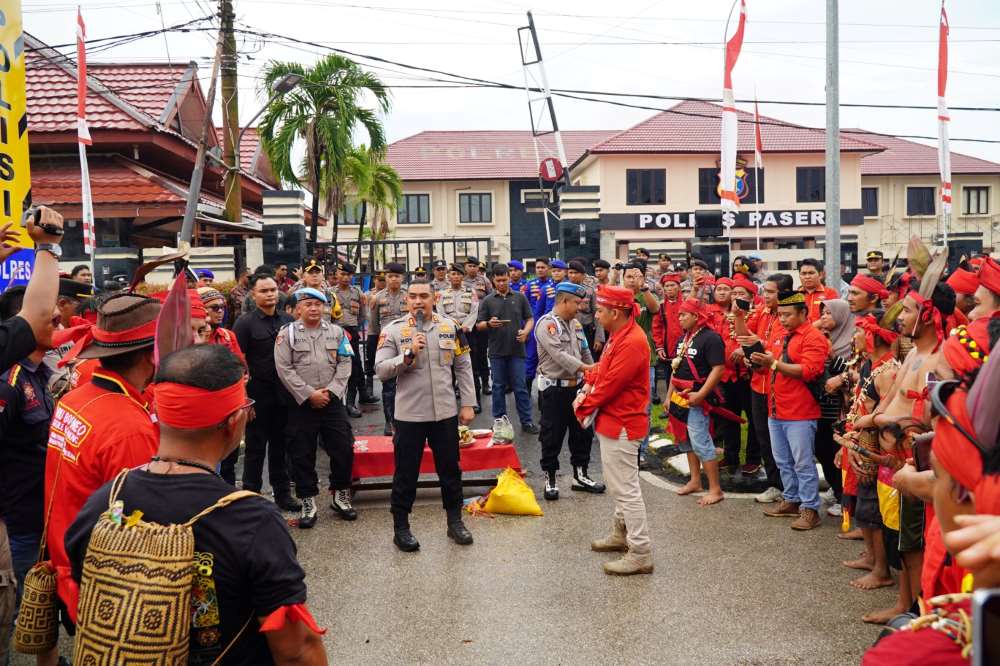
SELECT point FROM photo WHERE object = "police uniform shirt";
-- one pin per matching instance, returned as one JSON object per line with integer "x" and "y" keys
{"x": 440, "y": 285}
{"x": 562, "y": 347}
{"x": 386, "y": 308}
{"x": 425, "y": 390}
{"x": 461, "y": 305}
{"x": 309, "y": 359}
{"x": 588, "y": 306}
{"x": 26, "y": 408}
{"x": 480, "y": 285}
{"x": 351, "y": 305}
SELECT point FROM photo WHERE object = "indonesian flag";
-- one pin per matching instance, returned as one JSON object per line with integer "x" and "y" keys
{"x": 944, "y": 153}
{"x": 727, "y": 179}
{"x": 83, "y": 137}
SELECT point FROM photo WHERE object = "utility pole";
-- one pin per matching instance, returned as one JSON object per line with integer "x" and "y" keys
{"x": 198, "y": 174}
{"x": 832, "y": 146}
{"x": 528, "y": 62}
{"x": 230, "y": 116}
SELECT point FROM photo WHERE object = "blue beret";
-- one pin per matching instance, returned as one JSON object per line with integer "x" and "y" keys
{"x": 205, "y": 273}
{"x": 514, "y": 263}
{"x": 571, "y": 288}
{"x": 309, "y": 292}
{"x": 558, "y": 263}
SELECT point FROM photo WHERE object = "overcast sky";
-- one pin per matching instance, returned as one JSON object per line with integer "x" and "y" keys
{"x": 888, "y": 55}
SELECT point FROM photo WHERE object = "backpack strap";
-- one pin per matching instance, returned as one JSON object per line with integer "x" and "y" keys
{"x": 116, "y": 487}
{"x": 223, "y": 502}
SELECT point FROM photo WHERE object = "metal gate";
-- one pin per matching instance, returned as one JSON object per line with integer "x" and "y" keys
{"x": 409, "y": 252}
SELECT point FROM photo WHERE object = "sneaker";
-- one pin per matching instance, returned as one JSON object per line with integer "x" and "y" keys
{"x": 308, "y": 517}
{"x": 531, "y": 428}
{"x": 835, "y": 510}
{"x": 551, "y": 488}
{"x": 828, "y": 496}
{"x": 581, "y": 481}
{"x": 341, "y": 504}
{"x": 772, "y": 494}
{"x": 785, "y": 509}
{"x": 808, "y": 520}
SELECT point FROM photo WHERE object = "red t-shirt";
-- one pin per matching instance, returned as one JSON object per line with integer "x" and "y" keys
{"x": 789, "y": 398}
{"x": 226, "y": 338}
{"x": 765, "y": 325}
{"x": 667, "y": 327}
{"x": 814, "y": 298}
{"x": 621, "y": 386}
{"x": 97, "y": 430}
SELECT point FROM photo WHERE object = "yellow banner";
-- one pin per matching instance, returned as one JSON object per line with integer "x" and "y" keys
{"x": 15, "y": 172}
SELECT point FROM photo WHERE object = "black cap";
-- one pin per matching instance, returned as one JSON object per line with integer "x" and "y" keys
{"x": 312, "y": 265}
{"x": 701, "y": 263}
{"x": 73, "y": 289}
{"x": 472, "y": 260}
{"x": 601, "y": 263}
{"x": 395, "y": 268}
{"x": 349, "y": 268}
{"x": 577, "y": 266}
{"x": 440, "y": 263}
{"x": 457, "y": 268}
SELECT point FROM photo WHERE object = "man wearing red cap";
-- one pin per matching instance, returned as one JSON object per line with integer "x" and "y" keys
{"x": 988, "y": 293}
{"x": 865, "y": 294}
{"x": 965, "y": 283}
{"x": 666, "y": 322}
{"x": 104, "y": 425}
{"x": 618, "y": 393}
{"x": 249, "y": 592}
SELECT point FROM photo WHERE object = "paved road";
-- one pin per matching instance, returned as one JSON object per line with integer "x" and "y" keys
{"x": 731, "y": 586}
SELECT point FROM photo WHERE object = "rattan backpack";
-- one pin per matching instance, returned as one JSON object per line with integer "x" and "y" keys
{"x": 135, "y": 593}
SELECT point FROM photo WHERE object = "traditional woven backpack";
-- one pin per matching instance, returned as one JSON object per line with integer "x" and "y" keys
{"x": 135, "y": 593}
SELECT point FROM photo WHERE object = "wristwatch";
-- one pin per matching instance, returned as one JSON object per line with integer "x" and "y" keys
{"x": 52, "y": 248}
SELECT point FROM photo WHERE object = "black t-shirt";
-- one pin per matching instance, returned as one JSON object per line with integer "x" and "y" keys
{"x": 706, "y": 351}
{"x": 513, "y": 306}
{"x": 245, "y": 559}
{"x": 17, "y": 340}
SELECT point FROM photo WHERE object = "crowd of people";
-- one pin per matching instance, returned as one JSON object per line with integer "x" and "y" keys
{"x": 885, "y": 384}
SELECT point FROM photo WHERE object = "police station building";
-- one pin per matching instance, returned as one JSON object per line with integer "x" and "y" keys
{"x": 642, "y": 186}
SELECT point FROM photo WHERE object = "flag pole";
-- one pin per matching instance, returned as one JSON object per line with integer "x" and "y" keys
{"x": 758, "y": 149}
{"x": 84, "y": 140}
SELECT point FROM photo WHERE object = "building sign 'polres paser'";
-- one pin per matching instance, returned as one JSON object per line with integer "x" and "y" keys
{"x": 741, "y": 220}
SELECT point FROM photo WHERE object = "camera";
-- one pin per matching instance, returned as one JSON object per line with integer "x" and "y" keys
{"x": 743, "y": 304}
{"x": 619, "y": 266}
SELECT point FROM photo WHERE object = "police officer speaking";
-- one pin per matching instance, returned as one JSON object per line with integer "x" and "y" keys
{"x": 563, "y": 357}
{"x": 420, "y": 351}
{"x": 314, "y": 360}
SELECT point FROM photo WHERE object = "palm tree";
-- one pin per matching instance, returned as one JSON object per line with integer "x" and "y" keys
{"x": 376, "y": 184}
{"x": 323, "y": 111}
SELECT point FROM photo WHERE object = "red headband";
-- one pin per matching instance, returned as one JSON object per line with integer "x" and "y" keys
{"x": 968, "y": 347}
{"x": 989, "y": 275}
{"x": 963, "y": 281}
{"x": 670, "y": 277}
{"x": 698, "y": 309}
{"x": 871, "y": 327}
{"x": 929, "y": 314}
{"x": 952, "y": 449}
{"x": 987, "y": 493}
{"x": 197, "y": 305}
{"x": 741, "y": 280}
{"x": 619, "y": 298}
{"x": 188, "y": 407}
{"x": 726, "y": 281}
{"x": 870, "y": 285}
{"x": 141, "y": 333}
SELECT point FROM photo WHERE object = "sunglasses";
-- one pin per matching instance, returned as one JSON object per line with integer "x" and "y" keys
{"x": 215, "y": 308}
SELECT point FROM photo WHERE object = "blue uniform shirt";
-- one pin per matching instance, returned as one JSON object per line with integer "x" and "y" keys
{"x": 541, "y": 296}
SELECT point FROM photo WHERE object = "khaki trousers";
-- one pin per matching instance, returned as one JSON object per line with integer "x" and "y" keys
{"x": 620, "y": 467}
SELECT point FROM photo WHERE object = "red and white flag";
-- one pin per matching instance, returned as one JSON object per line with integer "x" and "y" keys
{"x": 944, "y": 152}
{"x": 83, "y": 136}
{"x": 727, "y": 177}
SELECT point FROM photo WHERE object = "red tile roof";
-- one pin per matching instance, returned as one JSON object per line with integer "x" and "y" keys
{"x": 908, "y": 157}
{"x": 481, "y": 154}
{"x": 147, "y": 87}
{"x": 248, "y": 147}
{"x": 694, "y": 127}
{"x": 111, "y": 183}
{"x": 52, "y": 102}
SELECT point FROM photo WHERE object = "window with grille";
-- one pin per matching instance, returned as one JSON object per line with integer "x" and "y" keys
{"x": 645, "y": 187}
{"x": 414, "y": 209}
{"x": 475, "y": 208}
{"x": 920, "y": 200}
{"x": 975, "y": 200}
{"x": 810, "y": 184}
{"x": 869, "y": 201}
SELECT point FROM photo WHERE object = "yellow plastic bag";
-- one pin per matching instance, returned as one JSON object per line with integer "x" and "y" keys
{"x": 512, "y": 496}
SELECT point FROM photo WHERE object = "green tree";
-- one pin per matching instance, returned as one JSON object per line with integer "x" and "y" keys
{"x": 324, "y": 111}
{"x": 376, "y": 185}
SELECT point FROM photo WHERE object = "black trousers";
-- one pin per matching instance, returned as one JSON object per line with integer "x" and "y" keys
{"x": 738, "y": 398}
{"x": 357, "y": 374}
{"x": 759, "y": 401}
{"x": 556, "y": 405}
{"x": 329, "y": 426}
{"x": 408, "y": 448}
{"x": 389, "y": 400}
{"x": 479, "y": 342}
{"x": 371, "y": 346}
{"x": 265, "y": 438}
{"x": 826, "y": 449}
